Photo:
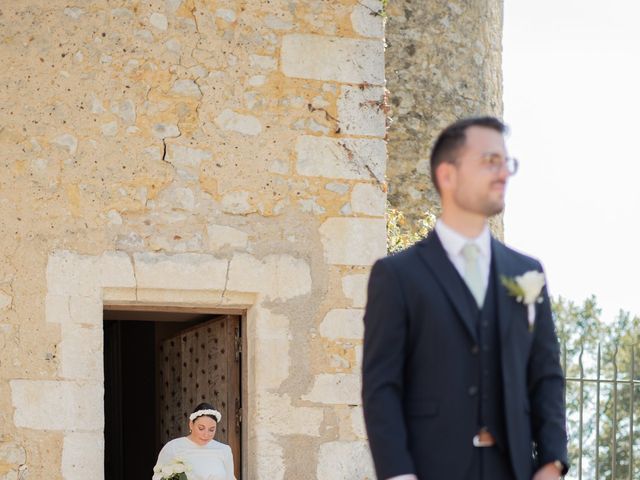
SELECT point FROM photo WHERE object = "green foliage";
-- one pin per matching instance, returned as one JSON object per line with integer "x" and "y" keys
{"x": 602, "y": 407}
{"x": 514, "y": 289}
{"x": 383, "y": 10}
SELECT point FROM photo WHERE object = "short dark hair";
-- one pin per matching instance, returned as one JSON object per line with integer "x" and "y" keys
{"x": 453, "y": 137}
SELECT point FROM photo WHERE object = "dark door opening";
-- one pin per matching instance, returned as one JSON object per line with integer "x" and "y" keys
{"x": 158, "y": 366}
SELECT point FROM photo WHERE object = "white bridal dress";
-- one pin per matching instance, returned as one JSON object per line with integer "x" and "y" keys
{"x": 213, "y": 461}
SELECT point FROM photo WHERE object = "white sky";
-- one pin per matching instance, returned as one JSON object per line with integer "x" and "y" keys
{"x": 572, "y": 100}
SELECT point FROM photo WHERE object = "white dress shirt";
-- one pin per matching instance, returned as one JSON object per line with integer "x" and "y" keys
{"x": 453, "y": 242}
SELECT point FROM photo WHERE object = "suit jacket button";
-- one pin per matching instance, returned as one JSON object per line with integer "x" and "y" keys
{"x": 473, "y": 390}
{"x": 475, "y": 349}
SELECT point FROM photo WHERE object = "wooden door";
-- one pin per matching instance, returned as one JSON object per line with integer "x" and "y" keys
{"x": 202, "y": 364}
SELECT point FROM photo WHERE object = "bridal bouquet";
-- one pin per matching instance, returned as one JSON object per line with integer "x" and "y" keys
{"x": 176, "y": 470}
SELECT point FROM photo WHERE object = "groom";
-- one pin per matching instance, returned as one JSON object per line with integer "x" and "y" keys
{"x": 461, "y": 372}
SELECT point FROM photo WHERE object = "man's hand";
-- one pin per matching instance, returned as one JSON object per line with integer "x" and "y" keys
{"x": 548, "y": 472}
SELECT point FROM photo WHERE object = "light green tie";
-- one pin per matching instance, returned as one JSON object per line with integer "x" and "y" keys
{"x": 472, "y": 276}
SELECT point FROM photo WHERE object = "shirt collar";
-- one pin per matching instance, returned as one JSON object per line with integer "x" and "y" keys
{"x": 453, "y": 241}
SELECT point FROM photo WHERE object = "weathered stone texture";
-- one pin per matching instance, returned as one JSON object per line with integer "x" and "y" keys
{"x": 353, "y": 241}
{"x": 57, "y": 405}
{"x": 345, "y": 460}
{"x": 328, "y": 58}
{"x": 76, "y": 463}
{"x": 189, "y": 153}
{"x": 225, "y": 155}
{"x": 443, "y": 62}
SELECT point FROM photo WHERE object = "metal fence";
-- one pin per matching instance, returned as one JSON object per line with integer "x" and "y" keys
{"x": 603, "y": 401}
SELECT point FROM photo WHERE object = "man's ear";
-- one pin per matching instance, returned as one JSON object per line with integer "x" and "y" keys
{"x": 445, "y": 173}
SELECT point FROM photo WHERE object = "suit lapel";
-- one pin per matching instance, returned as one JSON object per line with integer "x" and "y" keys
{"x": 503, "y": 267}
{"x": 433, "y": 253}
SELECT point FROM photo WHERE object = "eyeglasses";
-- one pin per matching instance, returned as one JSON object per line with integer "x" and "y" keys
{"x": 494, "y": 163}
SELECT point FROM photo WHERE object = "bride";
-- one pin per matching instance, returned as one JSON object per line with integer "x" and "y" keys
{"x": 205, "y": 458}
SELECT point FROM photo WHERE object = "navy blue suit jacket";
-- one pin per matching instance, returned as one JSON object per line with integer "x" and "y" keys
{"x": 418, "y": 365}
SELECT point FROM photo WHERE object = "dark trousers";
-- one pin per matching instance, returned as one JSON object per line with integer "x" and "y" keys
{"x": 490, "y": 463}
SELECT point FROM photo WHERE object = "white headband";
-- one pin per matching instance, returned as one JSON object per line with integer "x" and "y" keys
{"x": 200, "y": 413}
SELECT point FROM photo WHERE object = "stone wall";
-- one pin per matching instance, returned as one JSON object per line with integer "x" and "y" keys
{"x": 443, "y": 62}
{"x": 219, "y": 154}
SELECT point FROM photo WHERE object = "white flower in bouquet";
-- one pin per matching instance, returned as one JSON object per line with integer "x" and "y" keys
{"x": 176, "y": 470}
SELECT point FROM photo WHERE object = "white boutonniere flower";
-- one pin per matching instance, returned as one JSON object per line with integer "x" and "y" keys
{"x": 526, "y": 289}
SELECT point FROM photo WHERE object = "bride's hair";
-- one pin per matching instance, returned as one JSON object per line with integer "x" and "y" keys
{"x": 205, "y": 406}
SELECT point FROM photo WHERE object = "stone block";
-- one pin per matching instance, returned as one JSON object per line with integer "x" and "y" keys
{"x": 83, "y": 456}
{"x": 367, "y": 19}
{"x": 353, "y": 159}
{"x": 345, "y": 60}
{"x": 67, "y": 142}
{"x": 57, "y": 405}
{"x": 5, "y": 331}
{"x": 119, "y": 295}
{"x": 74, "y": 12}
{"x": 110, "y": 129}
{"x": 158, "y": 21}
{"x": 69, "y": 273}
{"x": 221, "y": 236}
{"x": 269, "y": 325}
{"x": 237, "y": 203}
{"x": 183, "y": 271}
{"x": 178, "y": 198}
{"x": 357, "y": 423}
{"x": 226, "y": 14}
{"x": 360, "y": 111}
{"x": 342, "y": 323}
{"x": 275, "y": 363}
{"x": 126, "y": 110}
{"x": 276, "y": 414}
{"x": 185, "y": 157}
{"x": 80, "y": 353}
{"x": 269, "y": 457}
{"x": 335, "y": 389}
{"x": 172, "y": 5}
{"x": 358, "y": 365}
{"x": 353, "y": 241}
{"x": 263, "y": 62}
{"x": 272, "y": 342}
{"x": 355, "y": 289}
{"x": 277, "y": 23}
{"x": 236, "y": 122}
{"x": 5, "y": 300}
{"x": 114, "y": 269}
{"x": 342, "y": 460}
{"x": 165, "y": 130}
{"x": 56, "y": 308}
{"x": 204, "y": 298}
{"x": 10, "y": 475}
{"x": 339, "y": 188}
{"x": 186, "y": 87}
{"x": 368, "y": 199}
{"x": 13, "y": 454}
{"x": 246, "y": 273}
{"x": 86, "y": 310}
{"x": 279, "y": 277}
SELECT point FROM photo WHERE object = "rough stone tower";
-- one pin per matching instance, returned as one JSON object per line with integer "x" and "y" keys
{"x": 443, "y": 62}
